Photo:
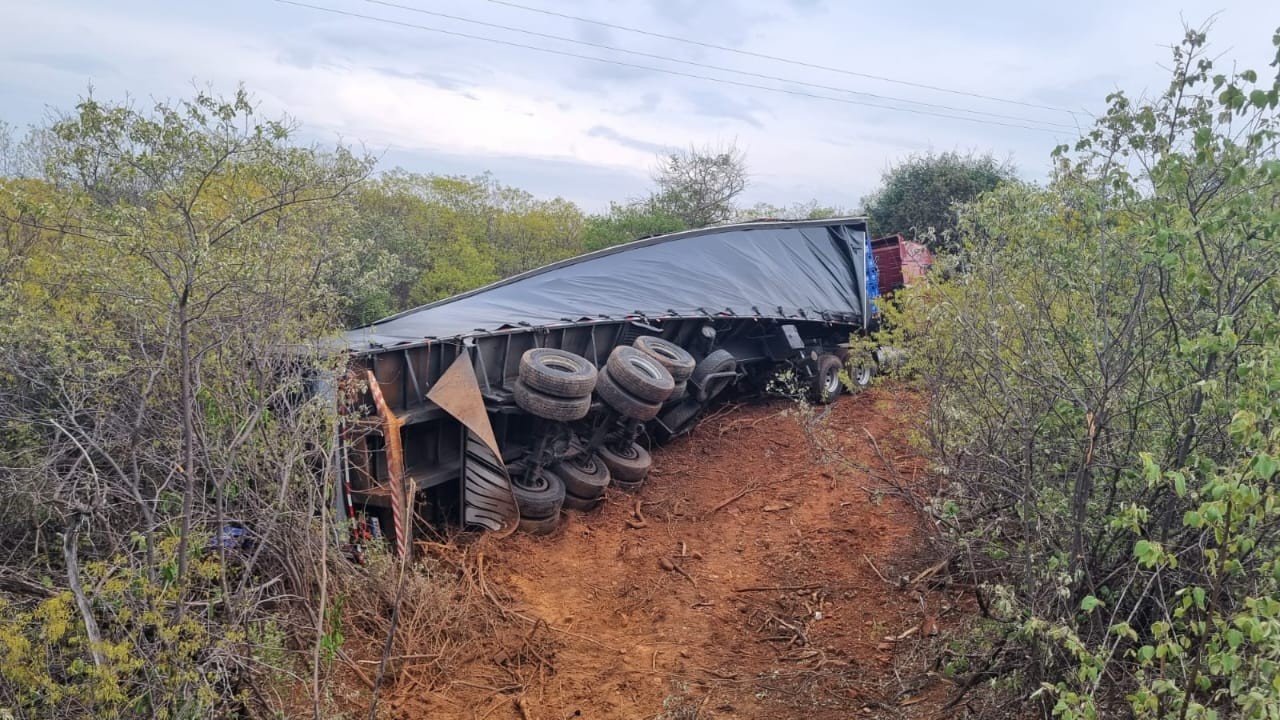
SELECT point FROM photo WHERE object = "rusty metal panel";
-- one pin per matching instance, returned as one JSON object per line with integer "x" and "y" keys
{"x": 487, "y": 498}
{"x": 395, "y": 486}
{"x": 388, "y": 372}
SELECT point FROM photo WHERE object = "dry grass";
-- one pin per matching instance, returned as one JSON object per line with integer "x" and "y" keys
{"x": 450, "y": 618}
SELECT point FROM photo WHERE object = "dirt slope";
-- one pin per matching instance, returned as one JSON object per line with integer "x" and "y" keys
{"x": 760, "y": 578}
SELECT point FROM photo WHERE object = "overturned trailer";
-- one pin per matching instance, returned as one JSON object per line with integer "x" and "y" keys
{"x": 501, "y": 406}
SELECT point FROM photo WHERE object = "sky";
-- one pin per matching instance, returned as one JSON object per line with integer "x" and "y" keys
{"x": 1011, "y": 78}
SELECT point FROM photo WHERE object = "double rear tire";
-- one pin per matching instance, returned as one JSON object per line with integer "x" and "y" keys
{"x": 585, "y": 478}
{"x": 628, "y": 466}
{"x": 539, "y": 502}
{"x": 827, "y": 385}
{"x": 671, "y": 356}
{"x": 558, "y": 373}
{"x": 640, "y": 374}
{"x": 634, "y": 384}
{"x": 550, "y": 407}
{"x": 555, "y": 384}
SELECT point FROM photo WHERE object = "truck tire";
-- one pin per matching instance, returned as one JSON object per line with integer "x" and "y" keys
{"x": 585, "y": 476}
{"x": 573, "y": 502}
{"x": 557, "y": 372}
{"x": 628, "y": 487}
{"x": 826, "y": 386}
{"x": 674, "y": 358}
{"x": 625, "y": 403}
{"x": 862, "y": 372}
{"x": 677, "y": 420}
{"x": 720, "y": 361}
{"x": 539, "y": 526}
{"x": 550, "y": 407}
{"x": 682, "y": 389}
{"x": 628, "y": 466}
{"x": 640, "y": 374}
{"x": 540, "y": 500}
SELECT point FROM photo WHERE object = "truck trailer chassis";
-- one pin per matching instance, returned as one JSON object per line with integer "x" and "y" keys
{"x": 499, "y": 407}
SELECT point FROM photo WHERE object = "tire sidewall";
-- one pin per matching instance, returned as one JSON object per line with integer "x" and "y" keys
{"x": 584, "y": 483}
{"x": 640, "y": 374}
{"x": 626, "y": 404}
{"x": 542, "y": 370}
{"x": 540, "y": 502}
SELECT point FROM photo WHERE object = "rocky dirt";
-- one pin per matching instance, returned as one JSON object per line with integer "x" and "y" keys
{"x": 764, "y": 570}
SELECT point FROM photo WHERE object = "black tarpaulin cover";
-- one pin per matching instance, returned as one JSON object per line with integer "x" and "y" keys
{"x": 804, "y": 269}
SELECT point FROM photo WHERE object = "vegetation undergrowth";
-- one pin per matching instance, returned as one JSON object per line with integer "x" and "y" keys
{"x": 1102, "y": 363}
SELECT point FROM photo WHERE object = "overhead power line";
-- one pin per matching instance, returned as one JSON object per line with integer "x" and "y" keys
{"x": 677, "y": 73}
{"x": 775, "y": 58}
{"x": 718, "y": 68}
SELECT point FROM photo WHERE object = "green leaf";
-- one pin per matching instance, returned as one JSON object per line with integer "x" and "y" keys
{"x": 1147, "y": 552}
{"x": 1234, "y": 638}
{"x": 1150, "y": 470}
{"x": 1264, "y": 466}
{"x": 1089, "y": 603}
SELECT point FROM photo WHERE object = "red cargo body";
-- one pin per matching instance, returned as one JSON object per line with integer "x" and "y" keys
{"x": 899, "y": 261}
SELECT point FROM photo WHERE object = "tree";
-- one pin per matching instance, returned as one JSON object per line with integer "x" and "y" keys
{"x": 1102, "y": 379}
{"x": 426, "y": 237}
{"x": 626, "y": 222}
{"x": 698, "y": 186}
{"x": 165, "y": 280}
{"x": 811, "y": 210}
{"x": 918, "y": 196}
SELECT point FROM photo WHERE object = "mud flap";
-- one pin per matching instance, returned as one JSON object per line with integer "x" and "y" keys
{"x": 487, "y": 500}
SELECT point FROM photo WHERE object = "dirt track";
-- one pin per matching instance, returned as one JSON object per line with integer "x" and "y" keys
{"x": 762, "y": 581}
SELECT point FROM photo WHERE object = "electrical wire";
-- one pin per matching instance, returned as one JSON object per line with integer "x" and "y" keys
{"x": 666, "y": 71}
{"x": 719, "y": 68}
{"x": 775, "y": 58}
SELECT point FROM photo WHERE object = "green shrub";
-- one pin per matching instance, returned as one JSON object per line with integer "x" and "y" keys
{"x": 1103, "y": 368}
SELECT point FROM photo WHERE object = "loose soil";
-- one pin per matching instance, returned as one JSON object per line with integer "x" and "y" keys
{"x": 764, "y": 570}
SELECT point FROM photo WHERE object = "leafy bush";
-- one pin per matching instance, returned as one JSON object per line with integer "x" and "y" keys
{"x": 1103, "y": 367}
{"x": 157, "y": 285}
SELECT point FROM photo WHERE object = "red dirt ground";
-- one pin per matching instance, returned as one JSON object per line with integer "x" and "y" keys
{"x": 767, "y": 581}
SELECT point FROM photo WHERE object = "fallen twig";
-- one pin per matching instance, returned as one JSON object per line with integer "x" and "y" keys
{"x": 903, "y": 635}
{"x": 930, "y": 571}
{"x": 877, "y": 570}
{"x": 687, "y": 576}
{"x": 810, "y": 586}
{"x": 346, "y": 659}
{"x": 737, "y": 496}
{"x": 640, "y": 521}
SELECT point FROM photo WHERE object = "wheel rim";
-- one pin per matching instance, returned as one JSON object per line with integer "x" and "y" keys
{"x": 589, "y": 466}
{"x": 541, "y": 483}
{"x": 831, "y": 383}
{"x": 628, "y": 453}
{"x": 864, "y": 375}
{"x": 646, "y": 367}
{"x": 559, "y": 365}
